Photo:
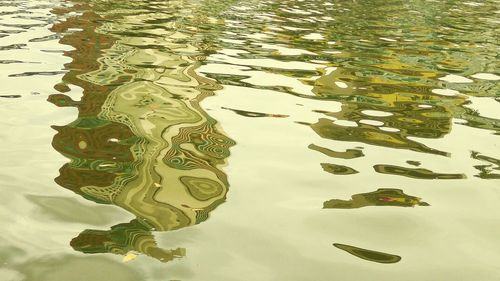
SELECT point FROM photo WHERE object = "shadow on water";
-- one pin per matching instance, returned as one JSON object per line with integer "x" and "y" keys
{"x": 141, "y": 141}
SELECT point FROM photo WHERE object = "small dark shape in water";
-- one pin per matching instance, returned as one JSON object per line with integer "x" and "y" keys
{"x": 486, "y": 170}
{"x": 381, "y": 197}
{"x": 302, "y": 123}
{"x": 45, "y": 38}
{"x": 255, "y": 114}
{"x": 11, "y": 31}
{"x": 10, "y": 96}
{"x": 416, "y": 173}
{"x": 53, "y": 51}
{"x": 338, "y": 169}
{"x": 61, "y": 87}
{"x": 10, "y": 61}
{"x": 44, "y": 73}
{"x": 414, "y": 163}
{"x": 348, "y": 154}
{"x": 369, "y": 255}
{"x": 12, "y": 47}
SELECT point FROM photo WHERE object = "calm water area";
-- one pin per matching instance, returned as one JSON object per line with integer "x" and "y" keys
{"x": 269, "y": 140}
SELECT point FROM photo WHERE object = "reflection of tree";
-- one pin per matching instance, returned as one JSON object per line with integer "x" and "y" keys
{"x": 141, "y": 140}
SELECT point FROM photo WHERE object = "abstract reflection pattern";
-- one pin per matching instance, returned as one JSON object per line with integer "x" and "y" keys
{"x": 381, "y": 197}
{"x": 141, "y": 140}
{"x": 486, "y": 170}
{"x": 416, "y": 173}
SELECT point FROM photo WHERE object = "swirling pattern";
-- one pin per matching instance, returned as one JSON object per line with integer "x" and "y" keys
{"x": 141, "y": 141}
{"x": 122, "y": 239}
{"x": 201, "y": 188}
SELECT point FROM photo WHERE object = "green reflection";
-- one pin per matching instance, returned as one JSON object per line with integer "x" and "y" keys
{"x": 416, "y": 173}
{"x": 338, "y": 169}
{"x": 122, "y": 239}
{"x": 369, "y": 255}
{"x": 141, "y": 140}
{"x": 348, "y": 154}
{"x": 254, "y": 114}
{"x": 381, "y": 197}
{"x": 486, "y": 171}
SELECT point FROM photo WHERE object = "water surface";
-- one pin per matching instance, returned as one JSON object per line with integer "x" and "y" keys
{"x": 261, "y": 140}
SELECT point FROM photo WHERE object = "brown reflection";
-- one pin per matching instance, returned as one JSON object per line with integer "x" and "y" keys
{"x": 369, "y": 255}
{"x": 141, "y": 140}
{"x": 381, "y": 197}
{"x": 416, "y": 173}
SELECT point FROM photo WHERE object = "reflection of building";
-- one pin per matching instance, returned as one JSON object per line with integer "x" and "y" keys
{"x": 405, "y": 114}
{"x": 141, "y": 141}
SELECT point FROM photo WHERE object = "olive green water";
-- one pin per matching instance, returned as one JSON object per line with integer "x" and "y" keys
{"x": 249, "y": 140}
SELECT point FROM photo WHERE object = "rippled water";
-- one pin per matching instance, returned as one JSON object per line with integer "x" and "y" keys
{"x": 253, "y": 140}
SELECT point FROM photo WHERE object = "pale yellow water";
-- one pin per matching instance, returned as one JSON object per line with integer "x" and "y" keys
{"x": 261, "y": 140}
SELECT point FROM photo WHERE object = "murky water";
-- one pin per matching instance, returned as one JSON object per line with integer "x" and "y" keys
{"x": 252, "y": 140}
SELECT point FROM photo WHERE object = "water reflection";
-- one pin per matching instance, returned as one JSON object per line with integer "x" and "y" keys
{"x": 402, "y": 71}
{"x": 416, "y": 173}
{"x": 369, "y": 255}
{"x": 338, "y": 169}
{"x": 381, "y": 197}
{"x": 486, "y": 171}
{"x": 402, "y": 75}
{"x": 141, "y": 141}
